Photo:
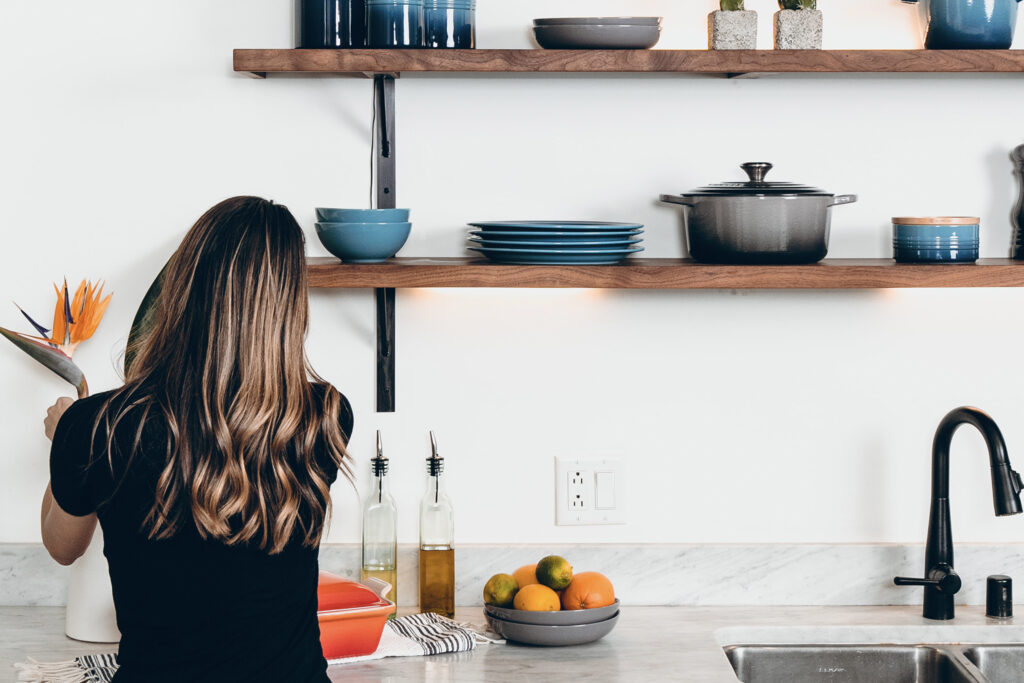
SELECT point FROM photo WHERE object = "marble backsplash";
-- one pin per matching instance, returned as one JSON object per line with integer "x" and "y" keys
{"x": 707, "y": 574}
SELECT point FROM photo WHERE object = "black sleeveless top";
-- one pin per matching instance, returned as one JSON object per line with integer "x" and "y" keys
{"x": 188, "y": 609}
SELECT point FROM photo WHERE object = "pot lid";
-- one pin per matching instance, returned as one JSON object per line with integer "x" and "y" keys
{"x": 337, "y": 593}
{"x": 757, "y": 185}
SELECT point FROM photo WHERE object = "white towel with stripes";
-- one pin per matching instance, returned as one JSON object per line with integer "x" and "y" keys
{"x": 414, "y": 635}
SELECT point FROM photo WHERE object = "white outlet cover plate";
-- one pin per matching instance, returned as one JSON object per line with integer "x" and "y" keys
{"x": 566, "y": 470}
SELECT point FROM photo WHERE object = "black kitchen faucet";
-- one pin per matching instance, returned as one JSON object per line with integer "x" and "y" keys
{"x": 941, "y": 583}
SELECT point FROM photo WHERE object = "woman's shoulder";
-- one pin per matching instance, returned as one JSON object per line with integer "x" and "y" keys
{"x": 85, "y": 410}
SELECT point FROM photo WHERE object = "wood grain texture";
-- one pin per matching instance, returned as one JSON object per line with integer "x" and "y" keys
{"x": 720, "y": 62}
{"x": 637, "y": 273}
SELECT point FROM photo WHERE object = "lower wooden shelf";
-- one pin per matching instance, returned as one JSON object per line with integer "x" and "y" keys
{"x": 664, "y": 273}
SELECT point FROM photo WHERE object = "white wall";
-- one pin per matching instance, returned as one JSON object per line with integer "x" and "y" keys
{"x": 743, "y": 416}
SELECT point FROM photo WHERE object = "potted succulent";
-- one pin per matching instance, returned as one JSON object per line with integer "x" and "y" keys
{"x": 733, "y": 27}
{"x": 798, "y": 25}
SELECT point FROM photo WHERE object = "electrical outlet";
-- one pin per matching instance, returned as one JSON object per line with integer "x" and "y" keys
{"x": 588, "y": 492}
{"x": 577, "y": 490}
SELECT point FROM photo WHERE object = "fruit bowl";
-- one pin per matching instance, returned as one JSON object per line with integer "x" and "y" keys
{"x": 573, "y": 617}
{"x": 552, "y": 635}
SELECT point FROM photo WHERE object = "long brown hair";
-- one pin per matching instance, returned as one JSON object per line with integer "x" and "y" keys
{"x": 224, "y": 363}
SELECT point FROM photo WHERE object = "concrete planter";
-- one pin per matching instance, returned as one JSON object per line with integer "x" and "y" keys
{"x": 798, "y": 29}
{"x": 735, "y": 30}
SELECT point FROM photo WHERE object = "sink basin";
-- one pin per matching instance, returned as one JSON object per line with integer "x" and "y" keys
{"x": 999, "y": 663}
{"x": 850, "y": 664}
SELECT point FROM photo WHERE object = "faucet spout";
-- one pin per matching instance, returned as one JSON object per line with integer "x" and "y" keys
{"x": 941, "y": 583}
{"x": 1006, "y": 484}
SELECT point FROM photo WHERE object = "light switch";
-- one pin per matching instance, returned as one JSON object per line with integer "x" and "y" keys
{"x": 605, "y": 493}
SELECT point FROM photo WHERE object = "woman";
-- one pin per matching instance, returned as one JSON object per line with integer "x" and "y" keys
{"x": 209, "y": 469}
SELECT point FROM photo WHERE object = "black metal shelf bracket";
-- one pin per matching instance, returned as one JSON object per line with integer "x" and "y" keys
{"x": 384, "y": 185}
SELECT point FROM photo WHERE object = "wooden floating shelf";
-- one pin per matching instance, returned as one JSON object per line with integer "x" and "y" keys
{"x": 712, "y": 62}
{"x": 663, "y": 273}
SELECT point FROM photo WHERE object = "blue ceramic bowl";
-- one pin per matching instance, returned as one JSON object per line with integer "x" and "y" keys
{"x": 363, "y": 242}
{"x": 905, "y": 255}
{"x": 362, "y": 215}
{"x": 967, "y": 24}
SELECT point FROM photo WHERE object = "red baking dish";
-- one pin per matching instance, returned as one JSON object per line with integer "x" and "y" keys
{"x": 351, "y": 615}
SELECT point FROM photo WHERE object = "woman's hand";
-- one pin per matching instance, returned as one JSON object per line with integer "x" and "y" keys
{"x": 53, "y": 414}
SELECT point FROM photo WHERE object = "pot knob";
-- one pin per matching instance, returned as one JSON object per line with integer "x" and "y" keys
{"x": 756, "y": 170}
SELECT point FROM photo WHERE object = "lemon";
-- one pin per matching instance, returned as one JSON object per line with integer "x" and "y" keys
{"x": 537, "y": 598}
{"x": 500, "y": 590}
{"x": 526, "y": 575}
{"x": 554, "y": 572}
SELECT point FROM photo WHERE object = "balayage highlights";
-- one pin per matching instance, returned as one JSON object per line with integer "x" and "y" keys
{"x": 225, "y": 364}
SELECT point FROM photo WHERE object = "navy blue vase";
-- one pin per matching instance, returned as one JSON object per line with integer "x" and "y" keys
{"x": 449, "y": 23}
{"x": 330, "y": 23}
{"x": 967, "y": 24}
{"x": 394, "y": 23}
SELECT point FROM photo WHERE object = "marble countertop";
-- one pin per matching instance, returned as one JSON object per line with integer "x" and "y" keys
{"x": 648, "y": 643}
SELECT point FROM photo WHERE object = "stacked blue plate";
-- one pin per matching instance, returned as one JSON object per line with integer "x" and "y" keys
{"x": 945, "y": 239}
{"x": 556, "y": 242}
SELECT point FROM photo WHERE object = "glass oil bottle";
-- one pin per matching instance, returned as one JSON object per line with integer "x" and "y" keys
{"x": 437, "y": 535}
{"x": 380, "y": 528}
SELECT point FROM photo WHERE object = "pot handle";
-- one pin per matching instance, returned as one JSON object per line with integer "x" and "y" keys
{"x": 378, "y": 586}
{"x": 676, "y": 199}
{"x": 843, "y": 199}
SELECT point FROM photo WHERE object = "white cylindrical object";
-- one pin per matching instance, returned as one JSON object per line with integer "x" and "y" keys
{"x": 90, "y": 611}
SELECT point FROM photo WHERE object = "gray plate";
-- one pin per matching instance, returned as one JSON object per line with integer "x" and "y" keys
{"x": 600, "y": 21}
{"x": 552, "y": 636}
{"x": 562, "y": 618}
{"x": 604, "y": 37}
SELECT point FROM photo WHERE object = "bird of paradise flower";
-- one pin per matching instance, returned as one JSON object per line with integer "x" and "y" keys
{"x": 75, "y": 319}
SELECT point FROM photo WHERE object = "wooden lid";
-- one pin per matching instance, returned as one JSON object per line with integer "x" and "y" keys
{"x": 937, "y": 220}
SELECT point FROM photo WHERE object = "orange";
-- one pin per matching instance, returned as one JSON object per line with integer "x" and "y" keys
{"x": 526, "y": 575}
{"x": 588, "y": 590}
{"x": 536, "y": 598}
{"x": 554, "y": 572}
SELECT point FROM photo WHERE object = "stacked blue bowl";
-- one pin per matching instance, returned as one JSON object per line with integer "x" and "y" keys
{"x": 363, "y": 235}
{"x": 936, "y": 239}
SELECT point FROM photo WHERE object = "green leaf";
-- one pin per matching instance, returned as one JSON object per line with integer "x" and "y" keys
{"x": 55, "y": 360}
{"x": 145, "y": 318}
{"x": 732, "y": 6}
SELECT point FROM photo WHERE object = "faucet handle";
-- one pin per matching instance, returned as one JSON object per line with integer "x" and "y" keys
{"x": 942, "y": 578}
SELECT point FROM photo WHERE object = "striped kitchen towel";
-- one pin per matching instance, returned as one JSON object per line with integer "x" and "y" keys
{"x": 414, "y": 635}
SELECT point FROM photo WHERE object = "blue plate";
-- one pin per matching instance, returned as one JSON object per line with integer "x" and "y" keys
{"x": 580, "y": 234}
{"x": 556, "y": 225}
{"x": 556, "y": 256}
{"x": 554, "y": 244}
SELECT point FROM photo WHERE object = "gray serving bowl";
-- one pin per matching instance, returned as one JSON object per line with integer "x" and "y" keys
{"x": 597, "y": 37}
{"x": 552, "y": 636}
{"x": 600, "y": 21}
{"x": 562, "y": 618}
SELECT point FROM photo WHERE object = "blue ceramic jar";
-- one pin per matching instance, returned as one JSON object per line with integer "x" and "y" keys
{"x": 935, "y": 239}
{"x": 330, "y": 23}
{"x": 967, "y": 24}
{"x": 394, "y": 23}
{"x": 449, "y": 23}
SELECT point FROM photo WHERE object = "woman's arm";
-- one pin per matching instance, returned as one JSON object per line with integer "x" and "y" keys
{"x": 65, "y": 536}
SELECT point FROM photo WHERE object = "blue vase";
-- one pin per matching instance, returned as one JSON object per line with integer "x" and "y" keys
{"x": 967, "y": 24}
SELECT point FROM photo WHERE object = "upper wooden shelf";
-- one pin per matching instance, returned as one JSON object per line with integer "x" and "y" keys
{"x": 713, "y": 62}
{"x": 664, "y": 273}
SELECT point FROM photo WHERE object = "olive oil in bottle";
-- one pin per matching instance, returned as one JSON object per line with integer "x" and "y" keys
{"x": 437, "y": 535}
{"x": 380, "y": 517}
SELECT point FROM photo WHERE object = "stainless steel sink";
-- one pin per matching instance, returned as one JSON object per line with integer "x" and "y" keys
{"x": 852, "y": 664}
{"x": 999, "y": 663}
